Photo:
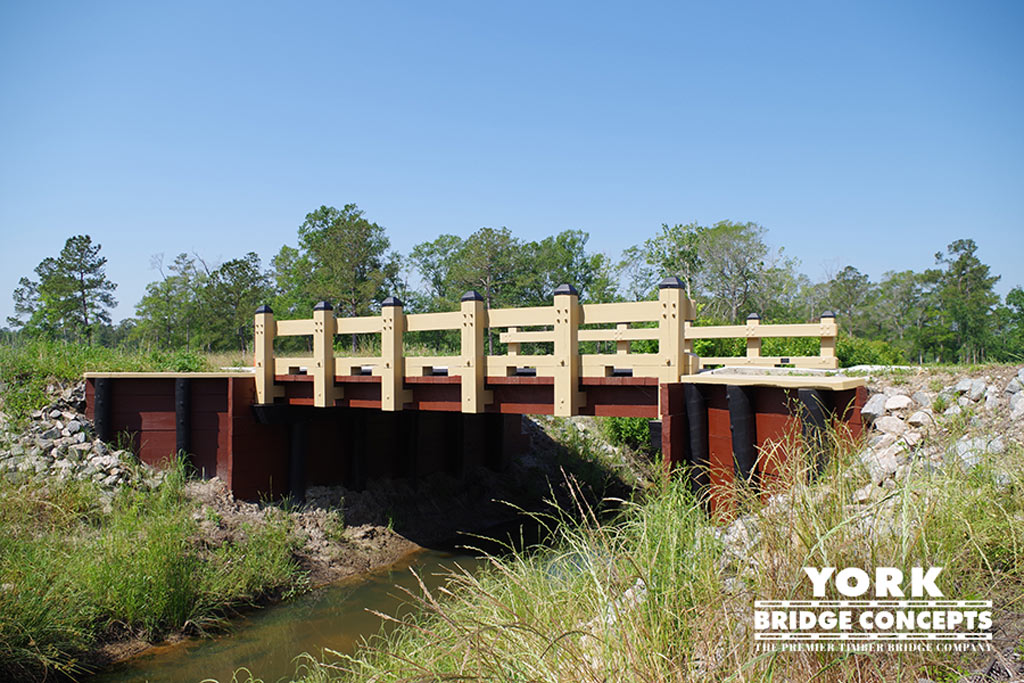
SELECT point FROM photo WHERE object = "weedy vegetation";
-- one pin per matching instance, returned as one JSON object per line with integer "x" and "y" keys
{"x": 27, "y": 368}
{"x": 665, "y": 591}
{"x": 79, "y": 567}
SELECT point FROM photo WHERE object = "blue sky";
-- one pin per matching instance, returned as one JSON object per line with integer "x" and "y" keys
{"x": 870, "y": 134}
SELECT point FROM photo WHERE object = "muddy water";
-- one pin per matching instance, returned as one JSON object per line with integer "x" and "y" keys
{"x": 266, "y": 641}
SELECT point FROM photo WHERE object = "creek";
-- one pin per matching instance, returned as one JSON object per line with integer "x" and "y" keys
{"x": 266, "y": 641}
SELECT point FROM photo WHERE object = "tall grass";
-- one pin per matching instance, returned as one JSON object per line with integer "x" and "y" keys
{"x": 76, "y": 570}
{"x": 27, "y": 368}
{"x": 665, "y": 593}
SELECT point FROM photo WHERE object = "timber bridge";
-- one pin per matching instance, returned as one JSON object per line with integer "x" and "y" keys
{"x": 325, "y": 419}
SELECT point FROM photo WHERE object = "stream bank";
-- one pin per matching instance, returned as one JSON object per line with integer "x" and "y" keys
{"x": 109, "y": 524}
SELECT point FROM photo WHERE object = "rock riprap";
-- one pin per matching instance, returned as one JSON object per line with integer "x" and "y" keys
{"x": 904, "y": 429}
{"x": 59, "y": 441}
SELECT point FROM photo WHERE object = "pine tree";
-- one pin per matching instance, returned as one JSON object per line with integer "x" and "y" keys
{"x": 72, "y": 296}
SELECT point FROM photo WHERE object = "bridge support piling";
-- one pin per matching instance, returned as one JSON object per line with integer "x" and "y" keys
{"x": 353, "y": 431}
{"x": 743, "y": 428}
{"x": 697, "y": 423}
{"x": 494, "y": 441}
{"x": 814, "y": 415}
{"x": 408, "y": 462}
{"x": 101, "y": 408}
{"x": 298, "y": 449}
{"x": 675, "y": 446}
{"x": 183, "y": 415}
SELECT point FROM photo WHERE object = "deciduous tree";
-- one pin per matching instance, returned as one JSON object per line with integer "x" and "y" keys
{"x": 349, "y": 259}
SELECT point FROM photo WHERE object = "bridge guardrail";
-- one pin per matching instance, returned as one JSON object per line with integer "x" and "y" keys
{"x": 675, "y": 332}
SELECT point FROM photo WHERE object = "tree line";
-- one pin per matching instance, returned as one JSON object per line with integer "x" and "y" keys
{"x": 947, "y": 313}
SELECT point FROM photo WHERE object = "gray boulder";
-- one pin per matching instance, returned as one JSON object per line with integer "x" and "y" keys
{"x": 890, "y": 425}
{"x": 922, "y": 399}
{"x": 977, "y": 390}
{"x": 1014, "y": 386}
{"x": 969, "y": 451}
{"x": 919, "y": 419}
{"x": 898, "y": 402}
{"x": 991, "y": 400}
{"x": 963, "y": 386}
{"x": 874, "y": 408}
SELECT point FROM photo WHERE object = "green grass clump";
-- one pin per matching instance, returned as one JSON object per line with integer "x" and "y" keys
{"x": 573, "y": 612}
{"x": 26, "y": 369}
{"x": 75, "y": 571}
{"x": 631, "y": 432}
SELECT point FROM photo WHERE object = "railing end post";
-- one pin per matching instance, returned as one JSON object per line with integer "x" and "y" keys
{"x": 671, "y": 282}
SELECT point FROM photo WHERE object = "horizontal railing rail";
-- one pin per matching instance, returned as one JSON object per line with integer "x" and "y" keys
{"x": 672, "y": 317}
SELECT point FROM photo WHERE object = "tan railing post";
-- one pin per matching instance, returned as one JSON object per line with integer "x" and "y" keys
{"x": 265, "y": 330}
{"x": 829, "y": 331}
{"x": 753, "y": 336}
{"x": 513, "y": 347}
{"x": 392, "y": 374}
{"x": 324, "y": 327}
{"x": 472, "y": 363}
{"x": 691, "y": 363}
{"x": 622, "y": 345}
{"x": 671, "y": 328}
{"x": 567, "y": 351}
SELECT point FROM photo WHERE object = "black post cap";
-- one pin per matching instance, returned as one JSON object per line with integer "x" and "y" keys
{"x": 671, "y": 282}
{"x": 392, "y": 301}
{"x": 323, "y": 306}
{"x": 264, "y": 309}
{"x": 828, "y": 314}
{"x": 753, "y": 316}
{"x": 565, "y": 289}
{"x": 472, "y": 295}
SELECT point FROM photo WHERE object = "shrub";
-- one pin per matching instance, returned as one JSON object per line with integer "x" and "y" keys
{"x": 857, "y": 351}
{"x": 632, "y": 432}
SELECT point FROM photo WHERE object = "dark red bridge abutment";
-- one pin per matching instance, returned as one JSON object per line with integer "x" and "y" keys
{"x": 721, "y": 421}
{"x": 280, "y": 449}
{"x": 733, "y": 426}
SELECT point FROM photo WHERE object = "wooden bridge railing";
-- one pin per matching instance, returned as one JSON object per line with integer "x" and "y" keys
{"x": 673, "y": 313}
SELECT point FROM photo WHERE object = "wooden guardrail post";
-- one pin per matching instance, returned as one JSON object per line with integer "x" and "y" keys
{"x": 513, "y": 347}
{"x": 671, "y": 328}
{"x": 392, "y": 373}
{"x": 472, "y": 363}
{"x": 567, "y": 351}
{"x": 622, "y": 345}
{"x": 753, "y": 336}
{"x": 829, "y": 331}
{"x": 324, "y": 327}
{"x": 265, "y": 329}
{"x": 691, "y": 363}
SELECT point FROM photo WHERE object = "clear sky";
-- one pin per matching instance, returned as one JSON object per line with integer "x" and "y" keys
{"x": 862, "y": 133}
